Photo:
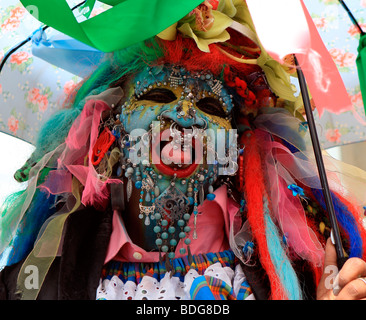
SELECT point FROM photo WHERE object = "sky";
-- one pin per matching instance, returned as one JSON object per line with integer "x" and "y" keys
{"x": 14, "y": 153}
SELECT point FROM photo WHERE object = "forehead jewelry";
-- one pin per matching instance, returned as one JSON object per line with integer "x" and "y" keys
{"x": 176, "y": 78}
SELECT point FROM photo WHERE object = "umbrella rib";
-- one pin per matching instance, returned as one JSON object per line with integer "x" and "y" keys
{"x": 351, "y": 16}
{"x": 321, "y": 168}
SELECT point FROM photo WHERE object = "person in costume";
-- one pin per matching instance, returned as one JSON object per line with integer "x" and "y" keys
{"x": 175, "y": 171}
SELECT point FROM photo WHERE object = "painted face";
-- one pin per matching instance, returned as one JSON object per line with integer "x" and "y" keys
{"x": 179, "y": 140}
{"x": 181, "y": 123}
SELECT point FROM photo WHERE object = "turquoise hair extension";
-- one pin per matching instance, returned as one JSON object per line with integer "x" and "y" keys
{"x": 282, "y": 264}
{"x": 41, "y": 208}
{"x": 18, "y": 231}
{"x": 10, "y": 211}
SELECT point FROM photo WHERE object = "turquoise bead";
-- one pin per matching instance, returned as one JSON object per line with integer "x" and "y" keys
{"x": 186, "y": 216}
{"x": 187, "y": 229}
{"x": 157, "y": 229}
{"x": 157, "y": 216}
{"x": 181, "y": 223}
{"x": 211, "y": 196}
{"x": 173, "y": 242}
{"x": 164, "y": 223}
{"x": 187, "y": 241}
{"x": 171, "y": 255}
{"x": 164, "y": 248}
{"x": 191, "y": 200}
{"x": 159, "y": 242}
{"x": 164, "y": 235}
{"x": 182, "y": 235}
{"x": 171, "y": 230}
{"x": 182, "y": 251}
{"x": 138, "y": 184}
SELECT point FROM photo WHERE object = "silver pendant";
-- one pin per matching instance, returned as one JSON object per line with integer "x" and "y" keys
{"x": 172, "y": 202}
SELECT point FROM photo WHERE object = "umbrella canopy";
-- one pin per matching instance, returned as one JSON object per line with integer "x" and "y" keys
{"x": 31, "y": 89}
{"x": 341, "y": 37}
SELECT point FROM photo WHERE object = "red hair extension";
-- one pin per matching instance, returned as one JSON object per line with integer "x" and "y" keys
{"x": 254, "y": 190}
{"x": 184, "y": 51}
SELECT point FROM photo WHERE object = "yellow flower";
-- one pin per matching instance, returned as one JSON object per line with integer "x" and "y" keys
{"x": 216, "y": 33}
{"x": 206, "y": 26}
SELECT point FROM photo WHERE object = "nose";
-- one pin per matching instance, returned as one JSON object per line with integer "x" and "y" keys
{"x": 184, "y": 114}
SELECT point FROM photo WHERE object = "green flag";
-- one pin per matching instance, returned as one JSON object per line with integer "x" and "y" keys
{"x": 361, "y": 67}
{"x": 126, "y": 23}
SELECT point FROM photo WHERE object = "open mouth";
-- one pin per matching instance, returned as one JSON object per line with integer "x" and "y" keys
{"x": 177, "y": 153}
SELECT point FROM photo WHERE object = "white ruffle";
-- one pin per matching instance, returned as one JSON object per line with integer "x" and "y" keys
{"x": 169, "y": 288}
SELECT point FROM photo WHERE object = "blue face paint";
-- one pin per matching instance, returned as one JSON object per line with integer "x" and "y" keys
{"x": 191, "y": 96}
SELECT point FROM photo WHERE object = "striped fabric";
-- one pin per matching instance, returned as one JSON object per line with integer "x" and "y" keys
{"x": 212, "y": 278}
{"x": 134, "y": 271}
{"x": 244, "y": 291}
{"x": 210, "y": 288}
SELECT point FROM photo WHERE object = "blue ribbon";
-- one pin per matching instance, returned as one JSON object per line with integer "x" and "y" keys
{"x": 66, "y": 53}
{"x": 296, "y": 190}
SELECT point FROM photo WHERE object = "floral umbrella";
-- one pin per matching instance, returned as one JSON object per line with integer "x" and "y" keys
{"x": 31, "y": 89}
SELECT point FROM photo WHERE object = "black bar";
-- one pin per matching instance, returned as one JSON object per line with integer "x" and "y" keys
{"x": 320, "y": 165}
